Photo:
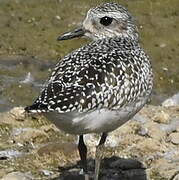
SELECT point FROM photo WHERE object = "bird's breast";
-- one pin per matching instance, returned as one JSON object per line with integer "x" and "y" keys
{"x": 96, "y": 121}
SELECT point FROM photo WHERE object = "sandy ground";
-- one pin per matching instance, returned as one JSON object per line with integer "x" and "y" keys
{"x": 146, "y": 147}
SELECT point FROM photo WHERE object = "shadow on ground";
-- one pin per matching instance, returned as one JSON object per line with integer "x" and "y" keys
{"x": 113, "y": 168}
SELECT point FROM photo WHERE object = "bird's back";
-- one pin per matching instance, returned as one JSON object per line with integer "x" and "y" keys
{"x": 112, "y": 74}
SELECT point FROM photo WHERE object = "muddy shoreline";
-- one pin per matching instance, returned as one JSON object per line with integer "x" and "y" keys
{"x": 144, "y": 148}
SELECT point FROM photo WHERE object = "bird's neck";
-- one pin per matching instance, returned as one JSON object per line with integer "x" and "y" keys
{"x": 131, "y": 32}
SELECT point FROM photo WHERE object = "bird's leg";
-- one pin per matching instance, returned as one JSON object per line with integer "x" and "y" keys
{"x": 83, "y": 154}
{"x": 99, "y": 155}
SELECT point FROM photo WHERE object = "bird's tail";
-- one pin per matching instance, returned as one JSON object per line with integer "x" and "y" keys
{"x": 36, "y": 108}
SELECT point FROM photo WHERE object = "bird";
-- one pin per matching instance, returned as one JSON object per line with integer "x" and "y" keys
{"x": 101, "y": 85}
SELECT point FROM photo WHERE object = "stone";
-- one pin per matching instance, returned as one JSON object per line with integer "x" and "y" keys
{"x": 176, "y": 177}
{"x": 154, "y": 131}
{"x": 173, "y": 101}
{"x": 47, "y": 172}
{"x": 17, "y": 176}
{"x": 10, "y": 153}
{"x": 22, "y": 135}
{"x": 171, "y": 127}
{"x": 18, "y": 113}
{"x": 126, "y": 164}
{"x": 174, "y": 138}
{"x": 162, "y": 117}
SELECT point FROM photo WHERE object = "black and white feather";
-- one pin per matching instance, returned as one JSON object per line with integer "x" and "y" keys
{"x": 101, "y": 85}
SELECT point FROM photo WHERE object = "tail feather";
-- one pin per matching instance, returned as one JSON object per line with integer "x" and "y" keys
{"x": 36, "y": 107}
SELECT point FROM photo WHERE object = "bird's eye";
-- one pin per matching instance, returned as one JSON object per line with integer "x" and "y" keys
{"x": 106, "y": 21}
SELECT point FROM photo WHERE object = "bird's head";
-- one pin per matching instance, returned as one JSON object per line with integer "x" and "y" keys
{"x": 106, "y": 20}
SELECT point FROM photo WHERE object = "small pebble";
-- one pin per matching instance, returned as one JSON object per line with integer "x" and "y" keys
{"x": 28, "y": 79}
{"x": 174, "y": 138}
{"x": 8, "y": 154}
{"x": 168, "y": 128}
{"x": 173, "y": 101}
{"x": 17, "y": 176}
{"x": 58, "y": 17}
{"x": 47, "y": 172}
{"x": 162, "y": 117}
{"x": 162, "y": 45}
{"x": 126, "y": 164}
{"x": 143, "y": 131}
{"x": 176, "y": 177}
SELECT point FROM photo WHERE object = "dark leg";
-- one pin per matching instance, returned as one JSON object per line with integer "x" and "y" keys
{"x": 99, "y": 155}
{"x": 83, "y": 154}
{"x": 103, "y": 139}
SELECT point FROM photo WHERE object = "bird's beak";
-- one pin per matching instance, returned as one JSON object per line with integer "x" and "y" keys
{"x": 72, "y": 34}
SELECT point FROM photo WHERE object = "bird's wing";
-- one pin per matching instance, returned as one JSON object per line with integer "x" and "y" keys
{"x": 87, "y": 79}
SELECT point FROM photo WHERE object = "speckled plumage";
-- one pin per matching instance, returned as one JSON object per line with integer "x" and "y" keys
{"x": 111, "y": 74}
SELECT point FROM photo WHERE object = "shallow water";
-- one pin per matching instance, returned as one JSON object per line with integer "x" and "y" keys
{"x": 28, "y": 46}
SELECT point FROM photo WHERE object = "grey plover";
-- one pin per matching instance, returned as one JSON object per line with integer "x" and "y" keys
{"x": 100, "y": 86}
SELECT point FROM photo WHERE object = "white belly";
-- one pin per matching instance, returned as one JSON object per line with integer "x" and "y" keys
{"x": 98, "y": 121}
